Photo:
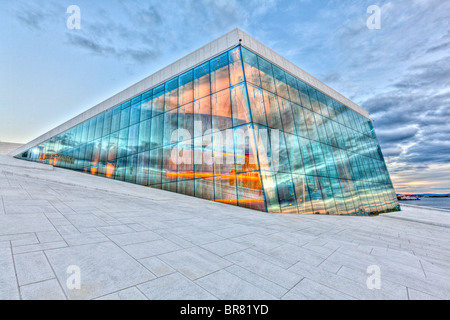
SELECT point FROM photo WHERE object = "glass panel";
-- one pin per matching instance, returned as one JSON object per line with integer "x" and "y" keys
{"x": 270, "y": 192}
{"x": 92, "y": 124}
{"x": 99, "y": 126}
{"x": 257, "y": 105}
{"x": 225, "y": 189}
{"x": 286, "y": 115}
{"x": 239, "y": 102}
{"x": 106, "y": 125}
{"x": 171, "y": 95}
{"x": 146, "y": 105}
{"x": 144, "y": 135}
{"x": 186, "y": 122}
{"x": 249, "y": 189}
{"x": 125, "y": 118}
{"x": 115, "y": 124}
{"x": 304, "y": 205}
{"x": 170, "y": 127}
{"x": 286, "y": 193}
{"x": 158, "y": 100}
{"x": 185, "y": 152}
{"x": 202, "y": 116}
{"x": 155, "y": 167}
{"x": 220, "y": 78}
{"x": 203, "y": 157}
{"x": 304, "y": 95}
{"x": 133, "y": 139}
{"x": 266, "y": 72}
{"x": 223, "y": 153}
{"x": 142, "y": 168}
{"x": 272, "y": 110}
{"x": 123, "y": 143}
{"x": 292, "y": 89}
{"x": 280, "y": 82}
{"x": 251, "y": 67}
{"x": 202, "y": 85}
{"x": 135, "y": 113}
{"x": 245, "y": 149}
{"x": 221, "y": 108}
{"x": 236, "y": 72}
{"x": 170, "y": 164}
{"x": 156, "y": 139}
{"x": 186, "y": 87}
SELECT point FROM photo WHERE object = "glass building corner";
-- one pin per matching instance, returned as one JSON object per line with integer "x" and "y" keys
{"x": 237, "y": 130}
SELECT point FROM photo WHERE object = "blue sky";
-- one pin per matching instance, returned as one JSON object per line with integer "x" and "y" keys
{"x": 400, "y": 73}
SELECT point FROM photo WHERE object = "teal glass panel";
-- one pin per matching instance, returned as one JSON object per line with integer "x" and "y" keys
{"x": 251, "y": 67}
{"x": 186, "y": 88}
{"x": 158, "y": 100}
{"x": 123, "y": 143}
{"x": 287, "y": 117}
{"x": 272, "y": 110}
{"x": 135, "y": 113}
{"x": 144, "y": 135}
{"x": 236, "y": 70}
{"x": 125, "y": 118}
{"x": 115, "y": 122}
{"x": 133, "y": 139}
{"x": 171, "y": 95}
{"x": 157, "y": 127}
{"x": 266, "y": 72}
{"x": 280, "y": 82}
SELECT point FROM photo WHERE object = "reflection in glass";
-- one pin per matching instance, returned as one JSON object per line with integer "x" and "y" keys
{"x": 236, "y": 130}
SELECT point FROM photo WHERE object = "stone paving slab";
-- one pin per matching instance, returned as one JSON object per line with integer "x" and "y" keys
{"x": 131, "y": 243}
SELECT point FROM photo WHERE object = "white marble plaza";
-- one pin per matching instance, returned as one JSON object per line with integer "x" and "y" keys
{"x": 132, "y": 242}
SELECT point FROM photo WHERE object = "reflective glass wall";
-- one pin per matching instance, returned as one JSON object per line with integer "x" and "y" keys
{"x": 236, "y": 130}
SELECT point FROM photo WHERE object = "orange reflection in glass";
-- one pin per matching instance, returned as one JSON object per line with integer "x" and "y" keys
{"x": 110, "y": 169}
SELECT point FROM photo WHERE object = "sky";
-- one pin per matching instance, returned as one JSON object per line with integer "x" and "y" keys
{"x": 400, "y": 73}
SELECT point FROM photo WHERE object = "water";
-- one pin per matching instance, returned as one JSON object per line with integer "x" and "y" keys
{"x": 441, "y": 203}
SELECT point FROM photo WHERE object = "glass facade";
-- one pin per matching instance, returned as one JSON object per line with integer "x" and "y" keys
{"x": 237, "y": 130}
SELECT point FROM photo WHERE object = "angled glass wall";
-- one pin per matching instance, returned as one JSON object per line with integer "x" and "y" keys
{"x": 237, "y": 130}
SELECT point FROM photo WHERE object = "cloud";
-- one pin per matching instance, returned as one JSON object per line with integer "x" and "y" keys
{"x": 37, "y": 15}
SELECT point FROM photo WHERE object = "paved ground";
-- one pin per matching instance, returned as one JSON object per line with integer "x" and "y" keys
{"x": 131, "y": 242}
